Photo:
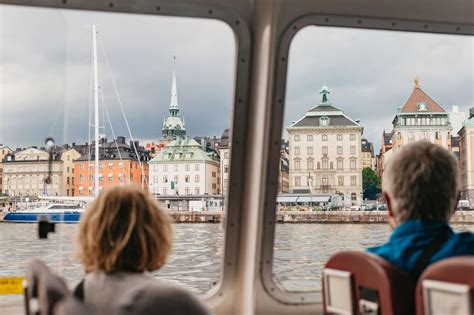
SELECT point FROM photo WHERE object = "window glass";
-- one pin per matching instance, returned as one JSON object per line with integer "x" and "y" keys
{"x": 358, "y": 87}
{"x": 148, "y": 66}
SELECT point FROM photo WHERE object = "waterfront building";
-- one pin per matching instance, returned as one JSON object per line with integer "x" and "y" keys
{"x": 184, "y": 168}
{"x": 383, "y": 156}
{"x": 224, "y": 155}
{"x": 4, "y": 150}
{"x": 466, "y": 162}
{"x": 457, "y": 119}
{"x": 325, "y": 152}
{"x": 284, "y": 170}
{"x": 421, "y": 118}
{"x": 25, "y": 172}
{"x": 118, "y": 165}
{"x": 368, "y": 159}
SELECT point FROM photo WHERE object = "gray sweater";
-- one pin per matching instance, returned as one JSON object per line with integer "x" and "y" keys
{"x": 136, "y": 293}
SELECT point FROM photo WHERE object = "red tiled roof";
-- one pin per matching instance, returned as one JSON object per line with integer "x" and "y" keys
{"x": 419, "y": 96}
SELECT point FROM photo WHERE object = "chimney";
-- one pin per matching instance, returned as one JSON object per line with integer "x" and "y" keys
{"x": 471, "y": 112}
{"x": 121, "y": 139}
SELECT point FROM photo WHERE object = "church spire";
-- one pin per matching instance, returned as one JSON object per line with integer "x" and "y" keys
{"x": 174, "y": 90}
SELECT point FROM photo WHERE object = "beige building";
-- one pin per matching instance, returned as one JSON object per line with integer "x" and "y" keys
{"x": 25, "y": 172}
{"x": 283, "y": 178}
{"x": 224, "y": 153}
{"x": 184, "y": 168}
{"x": 325, "y": 153}
{"x": 4, "y": 150}
{"x": 421, "y": 118}
{"x": 466, "y": 148}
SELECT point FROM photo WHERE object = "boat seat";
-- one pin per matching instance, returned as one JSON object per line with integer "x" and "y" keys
{"x": 447, "y": 287}
{"x": 44, "y": 289}
{"x": 72, "y": 306}
{"x": 363, "y": 283}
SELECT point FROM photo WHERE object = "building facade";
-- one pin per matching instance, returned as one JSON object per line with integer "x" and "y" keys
{"x": 466, "y": 162}
{"x": 421, "y": 118}
{"x": 25, "y": 172}
{"x": 118, "y": 165}
{"x": 224, "y": 155}
{"x": 4, "y": 150}
{"x": 368, "y": 159}
{"x": 325, "y": 152}
{"x": 184, "y": 168}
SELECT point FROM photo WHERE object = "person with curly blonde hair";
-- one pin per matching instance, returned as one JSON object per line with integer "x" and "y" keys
{"x": 124, "y": 234}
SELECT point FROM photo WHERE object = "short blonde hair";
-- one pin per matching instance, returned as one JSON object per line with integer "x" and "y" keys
{"x": 124, "y": 230}
{"x": 422, "y": 180}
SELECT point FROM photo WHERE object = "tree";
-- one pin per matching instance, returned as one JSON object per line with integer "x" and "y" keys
{"x": 370, "y": 183}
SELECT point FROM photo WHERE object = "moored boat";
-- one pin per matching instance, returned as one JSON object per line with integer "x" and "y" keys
{"x": 54, "y": 213}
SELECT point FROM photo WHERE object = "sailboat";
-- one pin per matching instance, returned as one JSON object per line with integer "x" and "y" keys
{"x": 59, "y": 211}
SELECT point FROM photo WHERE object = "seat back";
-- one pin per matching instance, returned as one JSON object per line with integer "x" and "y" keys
{"x": 363, "y": 283}
{"x": 44, "y": 289}
{"x": 447, "y": 287}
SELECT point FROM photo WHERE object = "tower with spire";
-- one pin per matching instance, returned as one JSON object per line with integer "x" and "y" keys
{"x": 173, "y": 125}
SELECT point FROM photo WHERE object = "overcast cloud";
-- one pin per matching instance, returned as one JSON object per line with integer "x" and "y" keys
{"x": 45, "y": 64}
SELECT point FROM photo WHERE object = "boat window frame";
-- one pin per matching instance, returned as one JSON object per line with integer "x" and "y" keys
{"x": 277, "y": 114}
{"x": 238, "y": 23}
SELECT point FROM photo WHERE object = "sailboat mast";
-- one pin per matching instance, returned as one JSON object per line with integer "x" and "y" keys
{"x": 96, "y": 110}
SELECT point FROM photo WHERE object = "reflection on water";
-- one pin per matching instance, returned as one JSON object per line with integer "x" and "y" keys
{"x": 300, "y": 252}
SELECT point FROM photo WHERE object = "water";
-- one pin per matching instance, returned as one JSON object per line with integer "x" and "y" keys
{"x": 300, "y": 252}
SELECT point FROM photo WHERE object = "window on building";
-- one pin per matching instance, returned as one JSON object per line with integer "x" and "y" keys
{"x": 176, "y": 167}
{"x": 226, "y": 169}
{"x": 297, "y": 150}
{"x": 324, "y": 121}
{"x": 297, "y": 164}
{"x": 81, "y": 178}
{"x": 339, "y": 150}
{"x": 176, "y": 179}
{"x": 111, "y": 177}
{"x": 196, "y": 178}
{"x": 399, "y": 135}
{"x": 165, "y": 179}
{"x": 187, "y": 191}
{"x": 196, "y": 191}
{"x": 297, "y": 138}
{"x": 309, "y": 151}
{"x": 425, "y": 134}
{"x": 186, "y": 179}
{"x": 310, "y": 164}
{"x": 352, "y": 136}
{"x": 186, "y": 167}
{"x": 340, "y": 164}
{"x": 353, "y": 150}
{"x": 324, "y": 137}
{"x": 196, "y": 167}
{"x": 156, "y": 179}
{"x": 324, "y": 150}
{"x": 340, "y": 180}
{"x": 226, "y": 155}
{"x": 165, "y": 191}
{"x": 165, "y": 168}
{"x": 297, "y": 181}
{"x": 437, "y": 135}
{"x": 353, "y": 164}
{"x": 325, "y": 165}
{"x": 353, "y": 180}
{"x": 309, "y": 137}
{"x": 339, "y": 137}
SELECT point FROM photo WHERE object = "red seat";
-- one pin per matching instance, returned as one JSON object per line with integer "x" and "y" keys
{"x": 446, "y": 287}
{"x": 363, "y": 283}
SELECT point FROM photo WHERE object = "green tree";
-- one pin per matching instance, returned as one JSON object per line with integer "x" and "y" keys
{"x": 370, "y": 183}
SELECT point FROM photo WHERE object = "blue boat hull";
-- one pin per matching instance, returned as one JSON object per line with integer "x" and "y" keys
{"x": 31, "y": 217}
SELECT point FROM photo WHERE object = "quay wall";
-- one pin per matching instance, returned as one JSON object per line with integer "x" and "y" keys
{"x": 463, "y": 217}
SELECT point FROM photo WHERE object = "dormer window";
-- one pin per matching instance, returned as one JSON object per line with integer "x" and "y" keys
{"x": 421, "y": 107}
{"x": 324, "y": 121}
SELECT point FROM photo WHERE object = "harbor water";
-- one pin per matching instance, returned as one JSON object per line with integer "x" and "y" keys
{"x": 300, "y": 252}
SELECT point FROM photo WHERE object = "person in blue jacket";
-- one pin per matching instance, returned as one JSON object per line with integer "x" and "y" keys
{"x": 421, "y": 186}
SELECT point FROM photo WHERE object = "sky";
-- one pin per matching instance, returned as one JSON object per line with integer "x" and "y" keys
{"x": 45, "y": 71}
